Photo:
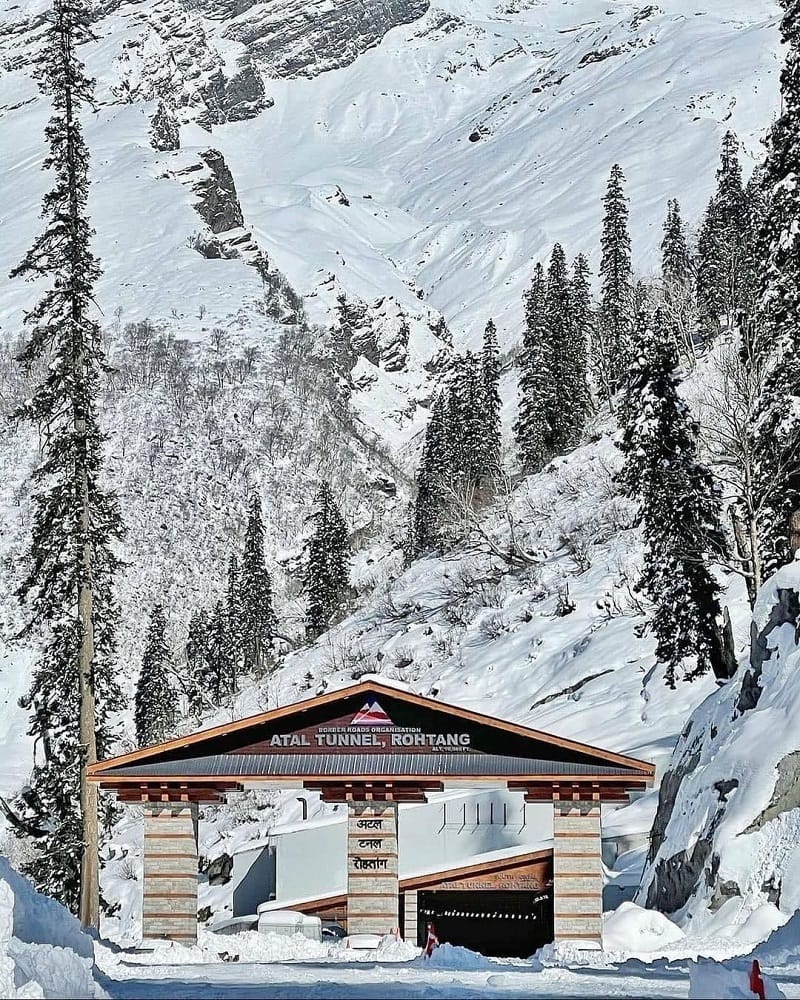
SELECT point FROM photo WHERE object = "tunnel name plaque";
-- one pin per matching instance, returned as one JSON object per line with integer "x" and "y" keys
{"x": 371, "y": 730}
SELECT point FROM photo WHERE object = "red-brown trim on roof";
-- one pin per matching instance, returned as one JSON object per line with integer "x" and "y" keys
{"x": 95, "y": 771}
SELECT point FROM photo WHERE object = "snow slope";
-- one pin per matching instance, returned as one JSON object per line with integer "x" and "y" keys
{"x": 726, "y": 833}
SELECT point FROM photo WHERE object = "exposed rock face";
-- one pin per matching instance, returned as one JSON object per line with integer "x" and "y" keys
{"x": 174, "y": 58}
{"x": 290, "y": 39}
{"x": 219, "y": 204}
{"x": 236, "y": 98}
{"x": 728, "y": 818}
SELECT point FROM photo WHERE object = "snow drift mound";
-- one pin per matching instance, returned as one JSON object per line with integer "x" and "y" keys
{"x": 727, "y": 828}
{"x": 43, "y": 952}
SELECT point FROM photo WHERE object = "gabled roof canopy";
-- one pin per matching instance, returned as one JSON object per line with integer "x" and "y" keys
{"x": 369, "y": 732}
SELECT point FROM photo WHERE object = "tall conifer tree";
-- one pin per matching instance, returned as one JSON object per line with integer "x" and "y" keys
{"x": 722, "y": 245}
{"x": 558, "y": 318}
{"x": 679, "y": 507}
{"x": 256, "y": 619}
{"x": 676, "y": 260}
{"x": 532, "y": 430}
{"x": 328, "y": 563}
{"x": 71, "y": 561}
{"x": 613, "y": 339}
{"x": 583, "y": 321}
{"x": 156, "y": 708}
{"x": 490, "y": 359}
{"x": 778, "y": 429}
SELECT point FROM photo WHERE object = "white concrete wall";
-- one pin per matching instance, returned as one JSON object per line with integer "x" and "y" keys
{"x": 446, "y": 832}
{"x": 449, "y": 831}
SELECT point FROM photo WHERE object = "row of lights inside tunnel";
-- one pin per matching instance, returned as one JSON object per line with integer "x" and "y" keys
{"x": 482, "y": 916}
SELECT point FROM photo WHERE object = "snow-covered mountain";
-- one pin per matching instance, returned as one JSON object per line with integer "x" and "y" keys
{"x": 418, "y": 158}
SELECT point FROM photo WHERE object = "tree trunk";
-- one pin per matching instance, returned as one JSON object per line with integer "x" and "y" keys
{"x": 744, "y": 550}
{"x": 90, "y": 876}
{"x": 794, "y": 532}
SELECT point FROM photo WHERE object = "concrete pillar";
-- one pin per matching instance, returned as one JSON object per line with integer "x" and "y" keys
{"x": 411, "y": 915}
{"x": 372, "y": 881}
{"x": 577, "y": 871}
{"x": 169, "y": 904}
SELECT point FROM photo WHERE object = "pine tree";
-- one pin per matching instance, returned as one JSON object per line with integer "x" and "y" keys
{"x": 679, "y": 507}
{"x": 613, "y": 339}
{"x": 328, "y": 563}
{"x": 432, "y": 477}
{"x": 233, "y": 610}
{"x": 778, "y": 428}
{"x": 490, "y": 360}
{"x": 466, "y": 436}
{"x": 156, "y": 707}
{"x": 678, "y": 296}
{"x": 164, "y": 130}
{"x": 722, "y": 248}
{"x": 218, "y": 675}
{"x": 76, "y": 520}
{"x": 535, "y": 386}
{"x": 676, "y": 260}
{"x": 560, "y": 343}
{"x": 577, "y": 385}
{"x": 197, "y": 660}
{"x": 256, "y": 620}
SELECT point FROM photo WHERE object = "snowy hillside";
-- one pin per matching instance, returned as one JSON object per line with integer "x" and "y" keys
{"x": 736, "y": 809}
{"x": 420, "y": 161}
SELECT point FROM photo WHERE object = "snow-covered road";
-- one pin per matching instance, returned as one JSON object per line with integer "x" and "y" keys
{"x": 323, "y": 981}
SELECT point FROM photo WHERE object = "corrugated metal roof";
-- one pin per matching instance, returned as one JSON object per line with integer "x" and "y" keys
{"x": 321, "y": 766}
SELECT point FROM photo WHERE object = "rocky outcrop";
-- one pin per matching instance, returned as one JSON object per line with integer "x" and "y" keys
{"x": 235, "y": 98}
{"x": 289, "y": 39}
{"x": 174, "y": 58}
{"x": 219, "y": 204}
{"x": 728, "y": 819}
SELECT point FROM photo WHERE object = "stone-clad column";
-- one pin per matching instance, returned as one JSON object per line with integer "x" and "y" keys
{"x": 411, "y": 916}
{"x": 372, "y": 881}
{"x": 169, "y": 904}
{"x": 577, "y": 871}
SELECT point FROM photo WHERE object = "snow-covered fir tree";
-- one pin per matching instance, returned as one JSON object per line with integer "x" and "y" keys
{"x": 430, "y": 503}
{"x": 583, "y": 320}
{"x": 612, "y": 349}
{"x": 679, "y": 508}
{"x": 156, "y": 706}
{"x": 256, "y": 618}
{"x": 676, "y": 258}
{"x": 71, "y": 562}
{"x": 531, "y": 429}
{"x": 218, "y": 675}
{"x": 197, "y": 657}
{"x": 778, "y": 428}
{"x": 327, "y": 572}
{"x": 233, "y": 608}
{"x": 164, "y": 130}
{"x": 677, "y": 295}
{"x": 490, "y": 361}
{"x": 722, "y": 244}
{"x": 559, "y": 342}
{"x": 466, "y": 424}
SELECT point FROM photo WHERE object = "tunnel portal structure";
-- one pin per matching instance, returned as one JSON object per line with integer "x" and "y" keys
{"x": 375, "y": 747}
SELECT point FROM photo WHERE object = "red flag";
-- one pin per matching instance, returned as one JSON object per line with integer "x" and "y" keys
{"x": 756, "y": 982}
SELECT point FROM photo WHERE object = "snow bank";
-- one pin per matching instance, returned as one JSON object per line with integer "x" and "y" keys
{"x": 635, "y": 931}
{"x": 726, "y": 982}
{"x": 43, "y": 952}
{"x": 781, "y": 950}
{"x": 726, "y": 838}
{"x": 453, "y": 956}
